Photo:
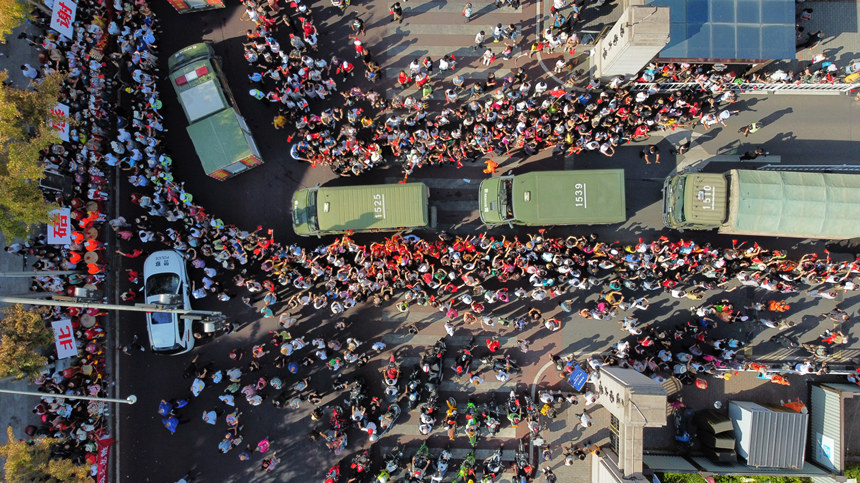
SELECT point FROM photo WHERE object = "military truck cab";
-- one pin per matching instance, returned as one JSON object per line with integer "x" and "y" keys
{"x": 695, "y": 201}
{"x": 220, "y": 135}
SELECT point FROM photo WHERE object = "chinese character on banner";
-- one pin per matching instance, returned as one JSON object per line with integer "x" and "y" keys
{"x": 61, "y": 127}
{"x": 64, "y": 339}
{"x": 103, "y": 444}
{"x": 60, "y": 227}
{"x": 63, "y": 17}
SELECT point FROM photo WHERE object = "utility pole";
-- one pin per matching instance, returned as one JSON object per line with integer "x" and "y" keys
{"x": 36, "y": 273}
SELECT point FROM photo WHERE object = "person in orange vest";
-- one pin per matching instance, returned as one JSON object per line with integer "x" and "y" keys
{"x": 491, "y": 166}
{"x": 778, "y": 306}
{"x": 75, "y": 258}
{"x": 93, "y": 245}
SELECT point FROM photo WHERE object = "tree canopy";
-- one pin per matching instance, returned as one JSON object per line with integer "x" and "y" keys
{"x": 12, "y": 13}
{"x": 25, "y": 130}
{"x": 23, "y": 337}
{"x": 31, "y": 461}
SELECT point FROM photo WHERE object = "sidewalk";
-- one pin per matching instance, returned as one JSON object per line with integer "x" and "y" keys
{"x": 15, "y": 410}
{"x": 839, "y": 21}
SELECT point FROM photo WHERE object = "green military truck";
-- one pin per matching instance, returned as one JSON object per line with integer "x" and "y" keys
{"x": 578, "y": 197}
{"x": 346, "y": 209}
{"x": 219, "y": 133}
{"x": 768, "y": 203}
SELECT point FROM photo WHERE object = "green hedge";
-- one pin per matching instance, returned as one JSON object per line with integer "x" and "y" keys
{"x": 853, "y": 471}
{"x": 696, "y": 478}
{"x": 682, "y": 478}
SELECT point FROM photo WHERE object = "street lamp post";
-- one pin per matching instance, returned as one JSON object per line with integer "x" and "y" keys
{"x": 131, "y": 399}
{"x": 59, "y": 301}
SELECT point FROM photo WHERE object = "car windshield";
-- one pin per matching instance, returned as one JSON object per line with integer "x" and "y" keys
{"x": 162, "y": 283}
{"x": 161, "y": 318}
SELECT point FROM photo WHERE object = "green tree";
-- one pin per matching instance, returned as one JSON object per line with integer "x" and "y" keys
{"x": 25, "y": 130}
{"x": 23, "y": 335}
{"x": 12, "y": 13}
{"x": 31, "y": 461}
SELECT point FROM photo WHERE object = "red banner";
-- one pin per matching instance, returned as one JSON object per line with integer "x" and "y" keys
{"x": 103, "y": 447}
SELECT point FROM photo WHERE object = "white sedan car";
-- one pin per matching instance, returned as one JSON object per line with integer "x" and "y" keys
{"x": 166, "y": 283}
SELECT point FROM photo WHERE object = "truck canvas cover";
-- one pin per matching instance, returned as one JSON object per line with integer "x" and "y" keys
{"x": 219, "y": 140}
{"x": 797, "y": 204}
{"x": 579, "y": 197}
{"x": 361, "y": 208}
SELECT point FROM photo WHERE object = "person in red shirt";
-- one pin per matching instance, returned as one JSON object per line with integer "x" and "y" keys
{"x": 134, "y": 253}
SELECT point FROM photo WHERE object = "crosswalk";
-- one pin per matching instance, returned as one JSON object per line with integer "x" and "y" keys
{"x": 436, "y": 28}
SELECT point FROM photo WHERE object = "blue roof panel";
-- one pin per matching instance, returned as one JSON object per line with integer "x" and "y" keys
{"x": 677, "y": 46}
{"x": 677, "y": 9}
{"x": 725, "y": 40}
{"x": 699, "y": 37}
{"x": 698, "y": 11}
{"x": 749, "y": 11}
{"x": 749, "y": 41}
{"x": 722, "y": 11}
{"x": 729, "y": 29}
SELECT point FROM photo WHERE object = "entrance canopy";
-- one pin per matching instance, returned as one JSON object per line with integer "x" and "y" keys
{"x": 729, "y": 30}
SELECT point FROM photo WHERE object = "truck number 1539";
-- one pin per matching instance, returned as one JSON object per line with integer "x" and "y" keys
{"x": 580, "y": 191}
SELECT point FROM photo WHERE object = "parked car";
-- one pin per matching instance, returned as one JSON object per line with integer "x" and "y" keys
{"x": 166, "y": 283}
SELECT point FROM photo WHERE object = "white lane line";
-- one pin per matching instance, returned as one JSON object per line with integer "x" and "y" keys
{"x": 534, "y": 395}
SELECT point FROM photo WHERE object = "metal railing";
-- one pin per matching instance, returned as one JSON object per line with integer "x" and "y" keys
{"x": 822, "y": 168}
{"x": 794, "y": 88}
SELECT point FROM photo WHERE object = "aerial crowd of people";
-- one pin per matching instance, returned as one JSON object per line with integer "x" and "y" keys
{"x": 514, "y": 116}
{"x": 470, "y": 280}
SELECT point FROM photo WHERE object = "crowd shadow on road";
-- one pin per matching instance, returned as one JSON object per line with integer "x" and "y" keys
{"x": 589, "y": 345}
{"x": 775, "y": 116}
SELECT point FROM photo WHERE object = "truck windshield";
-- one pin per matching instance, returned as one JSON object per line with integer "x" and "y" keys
{"x": 506, "y": 209}
{"x": 313, "y": 224}
{"x": 678, "y": 201}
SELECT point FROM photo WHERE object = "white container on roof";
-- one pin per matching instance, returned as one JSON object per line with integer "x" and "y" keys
{"x": 769, "y": 436}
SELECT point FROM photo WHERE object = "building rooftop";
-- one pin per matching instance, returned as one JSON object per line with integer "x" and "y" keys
{"x": 729, "y": 30}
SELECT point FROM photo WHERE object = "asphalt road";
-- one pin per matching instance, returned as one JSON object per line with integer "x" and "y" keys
{"x": 821, "y": 129}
